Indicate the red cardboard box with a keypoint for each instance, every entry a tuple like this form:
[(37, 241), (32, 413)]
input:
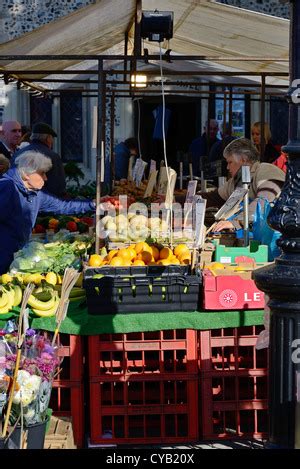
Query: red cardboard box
[(235, 291)]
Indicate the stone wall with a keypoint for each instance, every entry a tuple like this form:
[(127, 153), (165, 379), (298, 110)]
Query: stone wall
[(271, 7), (21, 16)]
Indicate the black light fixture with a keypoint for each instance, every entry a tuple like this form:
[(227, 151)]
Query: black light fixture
[(157, 25)]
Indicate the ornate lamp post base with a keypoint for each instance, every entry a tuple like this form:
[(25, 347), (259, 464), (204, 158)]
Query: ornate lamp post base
[(281, 281)]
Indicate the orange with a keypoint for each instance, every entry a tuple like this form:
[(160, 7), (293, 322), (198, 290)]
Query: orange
[(155, 252), (146, 256), (142, 246), (180, 249), (165, 253), (95, 260), (174, 260), (126, 262), (116, 261), (185, 258), (112, 254), (138, 262), (124, 254), (131, 252), (164, 262)]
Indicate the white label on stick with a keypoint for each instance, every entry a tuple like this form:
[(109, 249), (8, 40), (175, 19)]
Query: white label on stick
[(162, 181), (138, 171), (152, 166), (151, 184), (200, 205), (191, 191), (170, 190)]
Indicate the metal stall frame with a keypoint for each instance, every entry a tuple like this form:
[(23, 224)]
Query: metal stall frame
[(104, 87)]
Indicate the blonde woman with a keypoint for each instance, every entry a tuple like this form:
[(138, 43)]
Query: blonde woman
[(270, 152)]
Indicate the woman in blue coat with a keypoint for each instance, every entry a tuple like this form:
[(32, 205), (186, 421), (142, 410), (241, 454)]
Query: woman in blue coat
[(21, 199)]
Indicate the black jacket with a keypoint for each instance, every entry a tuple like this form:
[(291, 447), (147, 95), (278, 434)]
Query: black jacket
[(4, 151), (56, 181)]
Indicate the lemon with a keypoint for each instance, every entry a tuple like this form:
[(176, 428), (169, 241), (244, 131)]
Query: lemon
[(217, 265), (6, 278), (95, 260), (34, 278), (51, 278)]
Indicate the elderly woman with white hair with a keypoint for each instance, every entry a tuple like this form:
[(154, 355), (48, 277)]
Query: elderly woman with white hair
[(266, 181), (21, 199)]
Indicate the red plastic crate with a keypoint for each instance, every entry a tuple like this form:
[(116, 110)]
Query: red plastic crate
[(233, 384), (67, 396), (113, 356), (142, 411), (67, 399)]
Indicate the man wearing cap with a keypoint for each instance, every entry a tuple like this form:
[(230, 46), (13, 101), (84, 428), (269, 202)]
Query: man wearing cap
[(10, 138), (42, 141)]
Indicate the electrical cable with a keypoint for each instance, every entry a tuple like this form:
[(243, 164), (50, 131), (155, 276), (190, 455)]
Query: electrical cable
[(164, 143)]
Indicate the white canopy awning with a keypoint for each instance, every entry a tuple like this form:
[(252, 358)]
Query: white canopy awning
[(226, 36)]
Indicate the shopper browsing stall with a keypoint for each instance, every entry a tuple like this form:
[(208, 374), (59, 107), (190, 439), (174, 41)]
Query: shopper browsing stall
[(266, 180), (21, 199), (270, 154)]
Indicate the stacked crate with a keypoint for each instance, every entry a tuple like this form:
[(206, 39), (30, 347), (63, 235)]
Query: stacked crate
[(67, 397), (233, 384), (143, 387)]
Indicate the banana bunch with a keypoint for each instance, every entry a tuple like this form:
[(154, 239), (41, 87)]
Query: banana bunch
[(10, 296), (76, 294), (44, 303)]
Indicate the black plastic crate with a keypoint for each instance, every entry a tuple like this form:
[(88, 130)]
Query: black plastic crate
[(141, 289)]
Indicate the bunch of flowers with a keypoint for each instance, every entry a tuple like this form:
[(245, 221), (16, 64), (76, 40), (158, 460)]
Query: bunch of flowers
[(38, 365)]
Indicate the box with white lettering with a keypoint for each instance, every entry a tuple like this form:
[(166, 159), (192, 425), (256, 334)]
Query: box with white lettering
[(231, 288)]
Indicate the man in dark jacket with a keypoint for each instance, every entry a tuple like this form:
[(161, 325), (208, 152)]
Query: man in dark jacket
[(10, 138), (123, 152), (42, 141), (200, 147), (21, 199)]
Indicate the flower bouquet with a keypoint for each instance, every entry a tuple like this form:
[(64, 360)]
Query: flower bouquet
[(28, 364), (39, 362)]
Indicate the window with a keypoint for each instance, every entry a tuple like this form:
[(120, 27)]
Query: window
[(71, 126), (238, 113)]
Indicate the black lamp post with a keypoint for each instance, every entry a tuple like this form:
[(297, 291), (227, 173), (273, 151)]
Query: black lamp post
[(281, 281)]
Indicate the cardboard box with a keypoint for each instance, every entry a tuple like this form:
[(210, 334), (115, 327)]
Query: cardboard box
[(227, 290), (227, 255)]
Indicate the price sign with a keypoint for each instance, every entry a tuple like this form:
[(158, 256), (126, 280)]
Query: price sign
[(162, 181), (171, 187), (138, 171), (191, 191), (200, 206), (151, 184), (152, 166)]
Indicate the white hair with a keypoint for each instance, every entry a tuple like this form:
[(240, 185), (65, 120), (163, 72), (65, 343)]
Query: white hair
[(30, 162), (241, 148)]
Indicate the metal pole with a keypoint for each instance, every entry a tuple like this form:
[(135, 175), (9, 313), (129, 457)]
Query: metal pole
[(281, 281), (230, 108), (246, 180), (98, 151), (224, 111), (262, 117), (112, 138)]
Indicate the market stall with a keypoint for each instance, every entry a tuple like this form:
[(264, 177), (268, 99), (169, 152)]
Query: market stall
[(177, 373)]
